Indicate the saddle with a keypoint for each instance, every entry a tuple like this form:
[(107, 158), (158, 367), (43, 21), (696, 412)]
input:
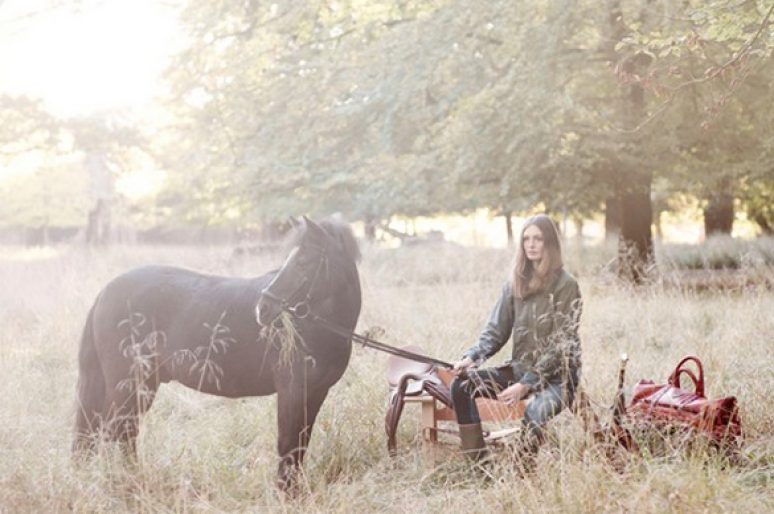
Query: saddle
[(669, 405), (410, 378), (414, 379)]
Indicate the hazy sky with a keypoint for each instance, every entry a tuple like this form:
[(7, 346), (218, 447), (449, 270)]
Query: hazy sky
[(107, 56)]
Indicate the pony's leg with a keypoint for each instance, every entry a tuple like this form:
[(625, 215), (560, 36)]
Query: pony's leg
[(125, 408), (89, 412), (90, 403), (297, 408), (88, 427)]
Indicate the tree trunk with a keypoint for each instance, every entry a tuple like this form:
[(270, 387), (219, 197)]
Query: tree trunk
[(509, 227), (99, 228), (635, 244), (719, 214), (578, 229), (370, 228), (612, 218)]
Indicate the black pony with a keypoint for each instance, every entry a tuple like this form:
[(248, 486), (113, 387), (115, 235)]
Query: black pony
[(215, 334)]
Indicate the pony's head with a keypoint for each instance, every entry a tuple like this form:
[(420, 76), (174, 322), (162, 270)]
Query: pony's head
[(322, 258)]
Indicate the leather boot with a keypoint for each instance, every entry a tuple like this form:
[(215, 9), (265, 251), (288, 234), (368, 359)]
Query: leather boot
[(472, 441)]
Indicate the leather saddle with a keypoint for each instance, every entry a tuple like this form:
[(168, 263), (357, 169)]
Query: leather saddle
[(410, 378), (414, 379)]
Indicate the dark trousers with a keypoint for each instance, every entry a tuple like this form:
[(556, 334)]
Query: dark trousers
[(487, 382)]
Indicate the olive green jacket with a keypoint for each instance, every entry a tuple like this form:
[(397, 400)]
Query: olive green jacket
[(546, 346)]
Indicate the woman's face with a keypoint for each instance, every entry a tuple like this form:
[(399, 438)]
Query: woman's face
[(533, 243)]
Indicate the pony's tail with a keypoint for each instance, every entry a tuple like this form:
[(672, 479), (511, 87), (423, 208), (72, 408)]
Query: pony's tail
[(91, 391)]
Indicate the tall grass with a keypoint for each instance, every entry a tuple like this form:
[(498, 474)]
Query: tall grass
[(205, 453)]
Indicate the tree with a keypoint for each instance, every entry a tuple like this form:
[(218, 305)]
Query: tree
[(58, 170), (416, 108), (314, 118), (25, 127), (711, 65), (35, 193)]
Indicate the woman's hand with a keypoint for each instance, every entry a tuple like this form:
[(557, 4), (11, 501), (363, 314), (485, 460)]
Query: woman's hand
[(462, 365), (514, 393)]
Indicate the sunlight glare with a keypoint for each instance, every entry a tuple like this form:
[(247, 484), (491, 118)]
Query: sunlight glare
[(109, 56), (140, 184)]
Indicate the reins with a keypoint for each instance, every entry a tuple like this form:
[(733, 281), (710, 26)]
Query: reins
[(366, 341)]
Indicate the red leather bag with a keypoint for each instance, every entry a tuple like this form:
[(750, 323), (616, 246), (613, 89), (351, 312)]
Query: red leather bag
[(668, 404)]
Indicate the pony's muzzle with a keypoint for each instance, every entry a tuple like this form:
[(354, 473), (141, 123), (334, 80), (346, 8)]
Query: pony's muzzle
[(266, 312)]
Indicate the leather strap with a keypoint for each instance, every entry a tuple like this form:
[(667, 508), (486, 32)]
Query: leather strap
[(698, 382)]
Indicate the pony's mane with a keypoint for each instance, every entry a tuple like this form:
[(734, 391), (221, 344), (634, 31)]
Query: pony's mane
[(337, 230), (342, 232)]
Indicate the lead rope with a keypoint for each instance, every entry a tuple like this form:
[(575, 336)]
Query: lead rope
[(302, 311), (365, 341), (368, 342)]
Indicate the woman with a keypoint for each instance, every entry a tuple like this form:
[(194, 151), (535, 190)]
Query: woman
[(540, 305)]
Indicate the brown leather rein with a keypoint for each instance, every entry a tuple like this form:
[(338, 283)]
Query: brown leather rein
[(302, 311)]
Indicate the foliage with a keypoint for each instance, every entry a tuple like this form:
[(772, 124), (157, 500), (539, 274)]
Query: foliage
[(45, 196), (35, 191), (56, 169), (711, 66), (25, 126), (379, 108), (758, 197)]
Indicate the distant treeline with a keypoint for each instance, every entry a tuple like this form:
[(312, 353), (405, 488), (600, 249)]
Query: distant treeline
[(52, 235)]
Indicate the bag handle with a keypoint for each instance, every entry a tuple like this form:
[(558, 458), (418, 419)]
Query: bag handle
[(698, 383)]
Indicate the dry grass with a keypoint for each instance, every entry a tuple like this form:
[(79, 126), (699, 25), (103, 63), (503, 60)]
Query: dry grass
[(203, 453)]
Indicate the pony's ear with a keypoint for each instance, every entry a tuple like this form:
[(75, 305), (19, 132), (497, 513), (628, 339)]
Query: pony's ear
[(313, 228), (294, 222)]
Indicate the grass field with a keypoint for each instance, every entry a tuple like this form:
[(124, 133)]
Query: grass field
[(201, 453)]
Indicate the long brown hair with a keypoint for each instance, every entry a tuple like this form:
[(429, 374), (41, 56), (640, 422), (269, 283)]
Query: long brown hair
[(527, 278)]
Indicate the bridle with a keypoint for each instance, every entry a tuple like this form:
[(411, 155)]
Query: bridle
[(301, 309)]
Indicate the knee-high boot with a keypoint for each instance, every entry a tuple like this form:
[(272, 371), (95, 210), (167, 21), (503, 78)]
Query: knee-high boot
[(472, 441)]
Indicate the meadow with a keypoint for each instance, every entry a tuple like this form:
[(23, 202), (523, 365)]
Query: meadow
[(201, 453)]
